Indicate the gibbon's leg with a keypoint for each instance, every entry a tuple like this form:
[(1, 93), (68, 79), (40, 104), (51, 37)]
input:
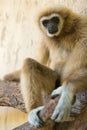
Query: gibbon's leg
[(14, 76), (35, 79)]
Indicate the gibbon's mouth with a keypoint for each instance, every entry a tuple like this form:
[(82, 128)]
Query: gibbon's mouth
[(52, 35)]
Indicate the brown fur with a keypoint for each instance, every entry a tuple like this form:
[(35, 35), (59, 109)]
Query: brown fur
[(66, 54)]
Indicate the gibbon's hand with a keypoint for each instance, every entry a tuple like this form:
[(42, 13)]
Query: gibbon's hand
[(62, 110), (33, 117)]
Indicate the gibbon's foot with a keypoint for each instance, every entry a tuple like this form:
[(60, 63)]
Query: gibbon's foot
[(9, 77), (33, 117), (14, 76), (62, 110)]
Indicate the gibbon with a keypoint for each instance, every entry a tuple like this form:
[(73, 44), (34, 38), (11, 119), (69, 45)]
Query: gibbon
[(64, 51)]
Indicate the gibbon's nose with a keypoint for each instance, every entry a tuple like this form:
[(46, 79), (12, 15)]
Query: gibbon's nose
[(52, 28)]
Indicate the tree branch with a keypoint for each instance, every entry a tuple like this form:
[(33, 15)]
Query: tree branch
[(10, 96)]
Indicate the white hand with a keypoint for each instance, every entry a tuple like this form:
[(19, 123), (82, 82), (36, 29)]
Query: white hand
[(62, 110), (33, 117)]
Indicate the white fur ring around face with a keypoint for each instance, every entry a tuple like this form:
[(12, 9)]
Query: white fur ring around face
[(62, 110), (33, 117)]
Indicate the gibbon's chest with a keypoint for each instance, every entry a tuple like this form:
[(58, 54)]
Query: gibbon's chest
[(58, 58)]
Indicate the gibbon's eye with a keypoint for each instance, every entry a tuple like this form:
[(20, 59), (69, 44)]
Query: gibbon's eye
[(55, 19), (45, 22)]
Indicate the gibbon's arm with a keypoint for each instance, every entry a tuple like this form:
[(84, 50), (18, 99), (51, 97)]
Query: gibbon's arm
[(76, 68), (74, 80), (42, 54)]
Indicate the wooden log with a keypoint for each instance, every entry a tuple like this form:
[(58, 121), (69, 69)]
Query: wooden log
[(10, 96)]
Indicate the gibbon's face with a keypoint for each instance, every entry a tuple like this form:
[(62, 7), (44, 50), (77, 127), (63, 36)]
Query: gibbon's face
[(52, 24)]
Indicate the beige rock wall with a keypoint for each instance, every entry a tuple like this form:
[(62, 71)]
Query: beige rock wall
[(18, 37)]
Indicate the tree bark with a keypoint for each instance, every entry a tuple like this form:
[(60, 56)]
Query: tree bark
[(10, 96)]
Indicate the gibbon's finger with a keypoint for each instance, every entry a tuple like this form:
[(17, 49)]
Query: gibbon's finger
[(56, 92), (59, 117), (63, 116), (55, 113)]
